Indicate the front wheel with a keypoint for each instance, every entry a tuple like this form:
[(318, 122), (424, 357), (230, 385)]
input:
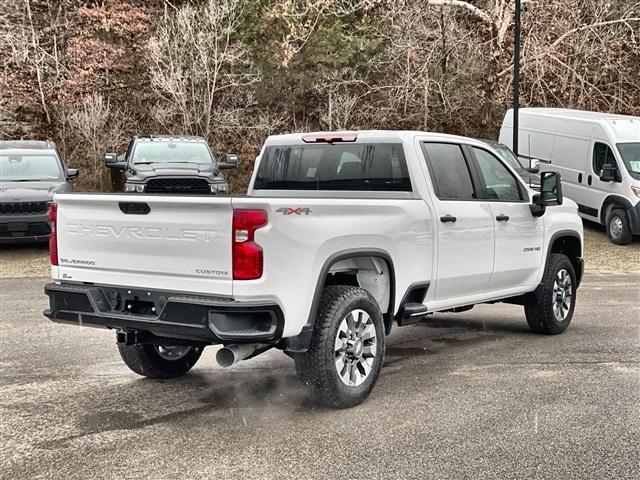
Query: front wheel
[(552, 313), (618, 228), (159, 361), (344, 359)]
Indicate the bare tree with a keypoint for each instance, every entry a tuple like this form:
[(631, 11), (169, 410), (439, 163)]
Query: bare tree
[(7, 118), (197, 66), (93, 127)]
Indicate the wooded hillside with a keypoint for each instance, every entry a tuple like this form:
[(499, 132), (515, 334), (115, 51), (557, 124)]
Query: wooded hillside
[(90, 74)]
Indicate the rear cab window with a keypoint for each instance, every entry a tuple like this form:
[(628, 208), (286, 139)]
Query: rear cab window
[(334, 166)]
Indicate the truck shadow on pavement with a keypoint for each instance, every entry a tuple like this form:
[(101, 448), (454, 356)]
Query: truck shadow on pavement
[(437, 335), (220, 394)]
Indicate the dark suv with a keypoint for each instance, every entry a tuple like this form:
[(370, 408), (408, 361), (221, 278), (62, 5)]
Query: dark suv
[(31, 172), (171, 165)]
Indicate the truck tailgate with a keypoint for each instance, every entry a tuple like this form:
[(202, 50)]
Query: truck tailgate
[(156, 242)]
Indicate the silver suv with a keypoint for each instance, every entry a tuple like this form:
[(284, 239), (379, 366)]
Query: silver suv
[(31, 172)]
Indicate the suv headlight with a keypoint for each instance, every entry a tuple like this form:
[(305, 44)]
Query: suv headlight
[(133, 187), (636, 191), (219, 187)]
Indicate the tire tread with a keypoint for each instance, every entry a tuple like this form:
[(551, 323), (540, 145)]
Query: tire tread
[(144, 360), (539, 314), (310, 365)]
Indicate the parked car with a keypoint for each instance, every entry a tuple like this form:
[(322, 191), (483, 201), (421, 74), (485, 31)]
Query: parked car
[(171, 165), (531, 175), (31, 172), (598, 155), (341, 235)]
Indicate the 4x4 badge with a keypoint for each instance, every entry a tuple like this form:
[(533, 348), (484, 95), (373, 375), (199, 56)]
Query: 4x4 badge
[(293, 211)]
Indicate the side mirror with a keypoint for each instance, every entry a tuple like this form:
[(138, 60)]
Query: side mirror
[(111, 161), (608, 173), (230, 162), (550, 193), (72, 173)]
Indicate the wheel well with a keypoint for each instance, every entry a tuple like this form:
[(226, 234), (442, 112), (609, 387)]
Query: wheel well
[(371, 272), (609, 204), (571, 247), (368, 272)]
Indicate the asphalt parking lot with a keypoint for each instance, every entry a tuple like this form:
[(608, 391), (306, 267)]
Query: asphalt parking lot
[(472, 395)]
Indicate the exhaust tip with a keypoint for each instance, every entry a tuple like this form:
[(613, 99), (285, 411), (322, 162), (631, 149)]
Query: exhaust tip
[(225, 357)]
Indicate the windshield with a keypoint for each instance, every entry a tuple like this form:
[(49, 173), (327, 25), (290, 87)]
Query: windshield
[(171, 152), (508, 156), (630, 153), (25, 168)]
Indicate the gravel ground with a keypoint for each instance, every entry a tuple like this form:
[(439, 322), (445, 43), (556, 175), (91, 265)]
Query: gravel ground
[(601, 256)]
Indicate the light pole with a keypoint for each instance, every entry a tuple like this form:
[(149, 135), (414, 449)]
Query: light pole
[(516, 78)]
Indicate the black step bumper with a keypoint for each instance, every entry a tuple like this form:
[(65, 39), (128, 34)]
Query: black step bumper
[(188, 317)]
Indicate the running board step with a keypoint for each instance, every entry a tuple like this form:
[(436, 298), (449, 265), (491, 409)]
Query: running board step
[(412, 313)]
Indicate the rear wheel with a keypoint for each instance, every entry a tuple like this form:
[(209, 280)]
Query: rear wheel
[(618, 228), (344, 359), (159, 361), (552, 313)]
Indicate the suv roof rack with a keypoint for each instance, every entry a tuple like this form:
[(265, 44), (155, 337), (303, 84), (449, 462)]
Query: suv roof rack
[(169, 137), (27, 144)]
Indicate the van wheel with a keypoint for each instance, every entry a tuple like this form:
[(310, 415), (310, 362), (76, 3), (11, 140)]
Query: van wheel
[(159, 361), (618, 228), (552, 313), (344, 359)]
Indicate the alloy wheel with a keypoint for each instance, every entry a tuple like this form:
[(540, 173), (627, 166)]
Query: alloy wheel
[(355, 347), (562, 295)]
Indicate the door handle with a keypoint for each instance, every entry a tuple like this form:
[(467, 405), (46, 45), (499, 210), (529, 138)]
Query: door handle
[(502, 218), (448, 218)]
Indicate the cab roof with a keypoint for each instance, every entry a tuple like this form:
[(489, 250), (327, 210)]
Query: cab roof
[(362, 136)]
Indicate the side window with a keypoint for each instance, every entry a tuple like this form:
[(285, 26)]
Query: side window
[(499, 181), (602, 154), (449, 171)]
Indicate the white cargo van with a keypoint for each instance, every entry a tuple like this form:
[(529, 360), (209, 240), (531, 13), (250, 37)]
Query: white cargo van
[(598, 156)]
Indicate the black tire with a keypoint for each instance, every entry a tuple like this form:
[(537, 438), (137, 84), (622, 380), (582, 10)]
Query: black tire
[(317, 367), (618, 228), (145, 360), (540, 314)]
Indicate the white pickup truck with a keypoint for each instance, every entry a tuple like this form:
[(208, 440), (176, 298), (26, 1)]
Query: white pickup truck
[(340, 236)]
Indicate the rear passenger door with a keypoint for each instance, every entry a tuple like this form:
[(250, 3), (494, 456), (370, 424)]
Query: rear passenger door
[(518, 234), (465, 227)]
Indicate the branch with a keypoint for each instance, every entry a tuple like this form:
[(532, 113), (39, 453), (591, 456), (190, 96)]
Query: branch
[(475, 11), (562, 37)]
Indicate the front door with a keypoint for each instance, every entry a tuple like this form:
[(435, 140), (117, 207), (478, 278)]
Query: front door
[(465, 231), (598, 190), (518, 234)]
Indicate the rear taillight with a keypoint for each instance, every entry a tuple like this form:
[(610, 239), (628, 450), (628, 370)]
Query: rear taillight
[(247, 254), (53, 239)]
